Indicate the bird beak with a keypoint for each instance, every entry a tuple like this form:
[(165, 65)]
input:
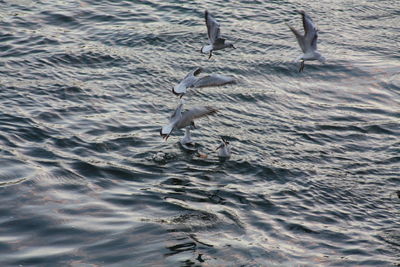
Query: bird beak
[(219, 146)]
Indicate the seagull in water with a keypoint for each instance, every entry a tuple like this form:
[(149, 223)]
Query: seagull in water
[(224, 149), (179, 120), (214, 36), (191, 80), (308, 41)]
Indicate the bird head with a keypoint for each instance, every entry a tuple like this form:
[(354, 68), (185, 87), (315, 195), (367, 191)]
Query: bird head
[(223, 143)]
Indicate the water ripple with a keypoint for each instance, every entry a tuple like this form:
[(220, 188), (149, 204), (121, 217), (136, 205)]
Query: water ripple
[(85, 178)]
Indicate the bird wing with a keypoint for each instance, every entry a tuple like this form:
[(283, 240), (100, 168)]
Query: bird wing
[(213, 80), (194, 72), (212, 27), (177, 113), (310, 31), (314, 41), (194, 113), (300, 38), (188, 81), (173, 120)]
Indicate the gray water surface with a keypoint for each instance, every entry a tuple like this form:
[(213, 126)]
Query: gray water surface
[(86, 180)]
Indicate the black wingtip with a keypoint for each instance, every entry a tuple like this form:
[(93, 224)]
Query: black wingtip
[(198, 71), (212, 110), (302, 12)]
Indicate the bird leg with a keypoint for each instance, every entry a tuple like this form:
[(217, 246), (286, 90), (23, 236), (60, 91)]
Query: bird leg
[(210, 54), (301, 66)]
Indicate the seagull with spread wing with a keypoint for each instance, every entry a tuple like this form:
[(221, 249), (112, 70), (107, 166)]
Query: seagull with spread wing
[(308, 41), (214, 36), (192, 80)]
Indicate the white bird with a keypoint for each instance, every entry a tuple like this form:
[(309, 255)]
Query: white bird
[(224, 149), (214, 36), (308, 41), (179, 120), (191, 80)]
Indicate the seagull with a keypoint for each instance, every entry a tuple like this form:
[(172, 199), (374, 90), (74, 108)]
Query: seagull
[(191, 80), (308, 41), (224, 149), (179, 120), (214, 38)]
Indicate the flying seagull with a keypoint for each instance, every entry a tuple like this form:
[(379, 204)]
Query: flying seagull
[(179, 120), (214, 36), (308, 41), (224, 149), (191, 80)]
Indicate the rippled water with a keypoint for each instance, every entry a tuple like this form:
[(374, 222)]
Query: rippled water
[(86, 180)]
